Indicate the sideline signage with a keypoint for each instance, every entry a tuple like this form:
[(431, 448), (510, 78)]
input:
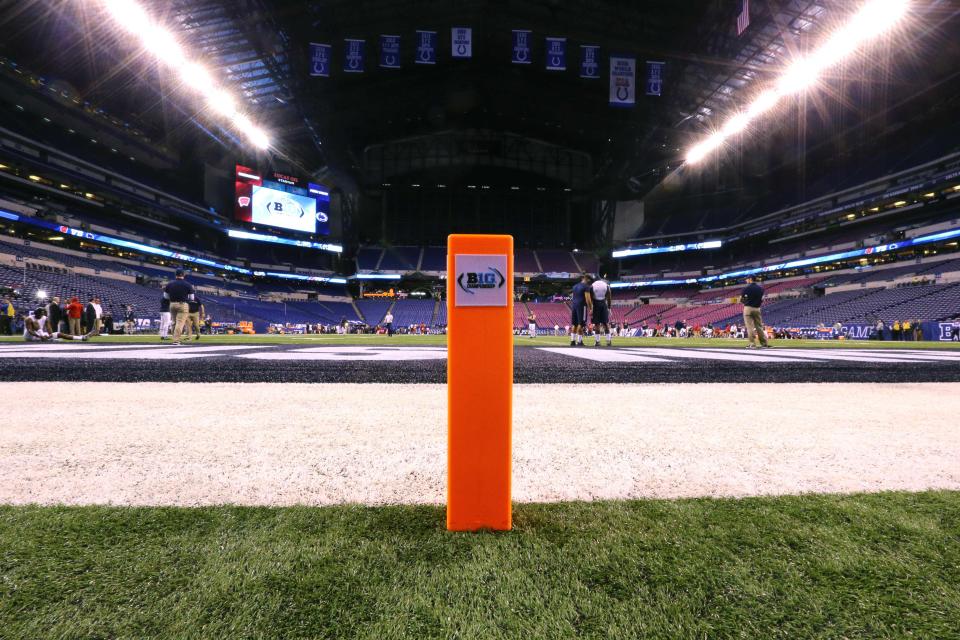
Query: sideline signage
[(479, 381)]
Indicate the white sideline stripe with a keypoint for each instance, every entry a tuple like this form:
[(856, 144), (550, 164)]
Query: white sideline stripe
[(286, 444), (595, 354), (72, 346), (944, 352), (703, 354), (940, 355), (932, 357), (170, 353), (815, 354), (353, 354)]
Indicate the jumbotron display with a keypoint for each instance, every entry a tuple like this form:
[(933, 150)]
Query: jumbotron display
[(281, 201)]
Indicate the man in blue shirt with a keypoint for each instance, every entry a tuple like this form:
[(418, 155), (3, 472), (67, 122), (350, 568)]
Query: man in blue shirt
[(752, 298), (581, 304), (180, 293)]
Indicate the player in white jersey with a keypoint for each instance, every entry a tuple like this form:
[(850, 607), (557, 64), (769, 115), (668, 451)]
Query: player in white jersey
[(602, 301), (34, 329)]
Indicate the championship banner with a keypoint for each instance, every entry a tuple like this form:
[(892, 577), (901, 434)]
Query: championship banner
[(623, 81), (320, 60), (556, 54), (426, 47), (589, 61), (461, 42), (521, 47), (353, 58), (654, 77), (390, 52)]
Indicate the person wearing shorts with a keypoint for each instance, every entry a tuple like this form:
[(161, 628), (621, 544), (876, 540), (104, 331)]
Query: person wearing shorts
[(600, 315), (580, 304)]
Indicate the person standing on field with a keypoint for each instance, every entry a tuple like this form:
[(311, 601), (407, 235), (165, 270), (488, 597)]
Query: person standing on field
[(388, 323), (193, 319), (180, 293), (74, 313), (602, 297), (165, 320), (752, 298)]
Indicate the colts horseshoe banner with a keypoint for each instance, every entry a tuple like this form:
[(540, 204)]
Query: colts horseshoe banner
[(426, 47), (319, 60), (461, 42), (390, 52), (623, 81), (521, 47), (556, 54), (353, 55)]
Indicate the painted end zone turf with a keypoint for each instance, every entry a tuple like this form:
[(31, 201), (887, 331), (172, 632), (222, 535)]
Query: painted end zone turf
[(269, 444)]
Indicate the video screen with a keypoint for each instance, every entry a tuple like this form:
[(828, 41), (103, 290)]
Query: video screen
[(278, 208), (282, 201)]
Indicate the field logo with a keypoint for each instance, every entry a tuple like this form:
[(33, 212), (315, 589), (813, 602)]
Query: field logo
[(480, 280)]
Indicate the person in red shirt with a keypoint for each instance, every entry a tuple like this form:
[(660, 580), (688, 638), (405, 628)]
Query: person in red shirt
[(74, 312)]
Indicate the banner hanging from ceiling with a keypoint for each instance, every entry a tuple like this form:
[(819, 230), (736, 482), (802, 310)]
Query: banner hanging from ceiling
[(320, 60), (461, 42), (426, 47), (556, 54), (623, 81), (521, 46), (654, 77), (390, 52), (589, 61), (353, 55)]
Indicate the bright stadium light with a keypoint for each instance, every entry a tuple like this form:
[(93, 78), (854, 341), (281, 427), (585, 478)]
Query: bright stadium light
[(223, 103), (873, 19), (196, 77), (163, 44), (258, 138), (764, 102), (129, 15)]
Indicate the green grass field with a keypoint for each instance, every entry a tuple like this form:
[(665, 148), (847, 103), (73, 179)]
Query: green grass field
[(860, 566), (520, 341)]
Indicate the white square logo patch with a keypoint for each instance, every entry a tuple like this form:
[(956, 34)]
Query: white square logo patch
[(480, 280)]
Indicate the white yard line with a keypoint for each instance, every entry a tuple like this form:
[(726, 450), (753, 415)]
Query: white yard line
[(602, 354), (273, 444), (169, 352)]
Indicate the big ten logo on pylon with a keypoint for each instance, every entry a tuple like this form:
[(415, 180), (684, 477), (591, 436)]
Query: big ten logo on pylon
[(480, 280)]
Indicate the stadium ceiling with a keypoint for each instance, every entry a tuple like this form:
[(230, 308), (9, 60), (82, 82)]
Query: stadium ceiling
[(260, 50), (707, 66)]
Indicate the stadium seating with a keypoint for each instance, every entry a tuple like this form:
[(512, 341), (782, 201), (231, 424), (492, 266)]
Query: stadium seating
[(524, 261), (410, 311), (588, 263), (548, 314), (647, 313), (373, 310), (400, 259), (520, 316), (557, 261), (434, 259), (441, 317), (368, 258)]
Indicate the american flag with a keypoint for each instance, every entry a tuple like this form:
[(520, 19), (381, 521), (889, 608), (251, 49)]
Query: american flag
[(743, 20)]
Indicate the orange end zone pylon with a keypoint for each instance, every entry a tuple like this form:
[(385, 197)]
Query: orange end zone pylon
[(479, 381)]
